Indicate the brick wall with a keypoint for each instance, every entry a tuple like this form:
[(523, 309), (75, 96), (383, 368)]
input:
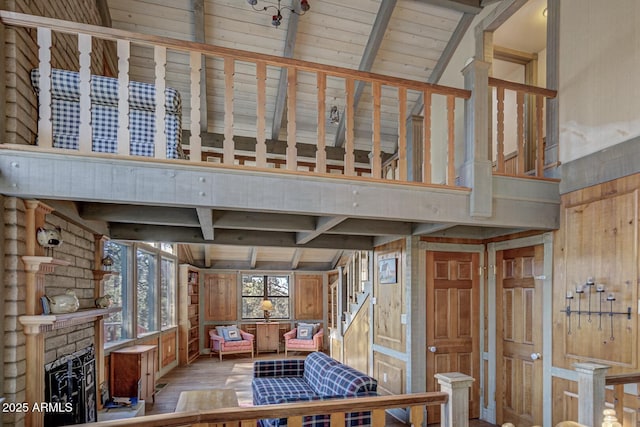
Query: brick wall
[(21, 52), (77, 248)]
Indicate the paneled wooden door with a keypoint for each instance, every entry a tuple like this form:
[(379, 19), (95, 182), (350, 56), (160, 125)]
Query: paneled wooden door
[(519, 343), (452, 304)]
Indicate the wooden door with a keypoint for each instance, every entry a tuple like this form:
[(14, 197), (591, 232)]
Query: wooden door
[(453, 322), (220, 297), (519, 327)]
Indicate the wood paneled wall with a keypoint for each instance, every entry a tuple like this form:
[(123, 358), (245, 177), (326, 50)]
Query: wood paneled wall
[(388, 330), (308, 297), (357, 342), (220, 296), (599, 238), (390, 373), (168, 348)]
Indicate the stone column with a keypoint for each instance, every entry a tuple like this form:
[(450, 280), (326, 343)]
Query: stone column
[(455, 413), (591, 384)]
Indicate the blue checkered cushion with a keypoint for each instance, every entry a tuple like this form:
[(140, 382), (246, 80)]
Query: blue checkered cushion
[(316, 367), (343, 380), (278, 368), (65, 92)]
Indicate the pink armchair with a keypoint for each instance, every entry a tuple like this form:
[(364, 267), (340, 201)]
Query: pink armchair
[(221, 346), (291, 343)]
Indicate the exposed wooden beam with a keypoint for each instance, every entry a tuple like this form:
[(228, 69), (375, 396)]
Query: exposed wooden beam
[(205, 218), (466, 6), (512, 55), (199, 30), (208, 255), (263, 221), (295, 259), (269, 265), (336, 259), (70, 211), (422, 229), (253, 257), (103, 10), (368, 57), (139, 232), (371, 227), (137, 214), (323, 224), (500, 14), (185, 254), (281, 95), (445, 58)]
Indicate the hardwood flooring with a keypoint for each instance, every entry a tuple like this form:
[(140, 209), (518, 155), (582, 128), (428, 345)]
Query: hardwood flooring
[(235, 372)]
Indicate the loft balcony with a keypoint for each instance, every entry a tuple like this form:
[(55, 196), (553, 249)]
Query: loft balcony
[(414, 158)]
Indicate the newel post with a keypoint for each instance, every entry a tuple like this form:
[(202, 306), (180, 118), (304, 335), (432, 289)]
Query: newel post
[(476, 170), (455, 413), (591, 389)]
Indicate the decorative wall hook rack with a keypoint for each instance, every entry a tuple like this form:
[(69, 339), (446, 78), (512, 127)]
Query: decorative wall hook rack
[(588, 288)]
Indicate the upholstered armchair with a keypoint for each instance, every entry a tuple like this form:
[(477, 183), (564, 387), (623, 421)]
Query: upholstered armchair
[(294, 342), (233, 341)]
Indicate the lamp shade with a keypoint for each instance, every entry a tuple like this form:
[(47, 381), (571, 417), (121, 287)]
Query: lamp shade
[(266, 305)]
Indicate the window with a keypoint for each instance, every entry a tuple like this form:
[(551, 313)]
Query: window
[(117, 325), (147, 293), (167, 292), (255, 288)]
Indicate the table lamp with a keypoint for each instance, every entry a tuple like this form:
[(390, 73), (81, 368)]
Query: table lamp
[(266, 306)]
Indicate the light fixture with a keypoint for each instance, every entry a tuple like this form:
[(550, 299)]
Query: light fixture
[(266, 306), (334, 115), (277, 18)]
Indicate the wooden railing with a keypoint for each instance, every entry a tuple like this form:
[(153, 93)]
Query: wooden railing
[(87, 34), (528, 157)]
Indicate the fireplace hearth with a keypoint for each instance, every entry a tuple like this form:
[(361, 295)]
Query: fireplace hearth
[(70, 386)]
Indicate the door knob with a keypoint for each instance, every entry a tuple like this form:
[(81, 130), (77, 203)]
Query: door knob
[(536, 356), (433, 349)]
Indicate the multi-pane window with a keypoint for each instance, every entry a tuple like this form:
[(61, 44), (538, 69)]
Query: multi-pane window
[(146, 296), (117, 325), (167, 293), (256, 288)]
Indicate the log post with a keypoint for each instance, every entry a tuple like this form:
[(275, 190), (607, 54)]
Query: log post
[(591, 389)]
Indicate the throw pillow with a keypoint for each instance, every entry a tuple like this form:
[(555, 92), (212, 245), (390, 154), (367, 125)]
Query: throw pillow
[(315, 326), (305, 332), (229, 333)]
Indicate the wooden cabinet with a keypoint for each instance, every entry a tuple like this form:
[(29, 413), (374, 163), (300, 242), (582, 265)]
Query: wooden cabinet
[(133, 372), (267, 337), (220, 297), (189, 314), (308, 301)]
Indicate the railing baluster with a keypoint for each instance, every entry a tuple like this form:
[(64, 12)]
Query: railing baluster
[(321, 153), (261, 108), (124, 49), (160, 57), (228, 144), (45, 127), (337, 419), (378, 417), (402, 133), (500, 129), (426, 133), (540, 142), (292, 152), (295, 421), (520, 130), (376, 159), (349, 155), (451, 167), (84, 130), (416, 415), (195, 142)]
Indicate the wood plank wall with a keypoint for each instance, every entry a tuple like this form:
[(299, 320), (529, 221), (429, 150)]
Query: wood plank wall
[(598, 237)]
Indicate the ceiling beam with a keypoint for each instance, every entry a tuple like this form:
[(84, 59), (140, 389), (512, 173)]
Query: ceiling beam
[(445, 58), (368, 57), (263, 221), (199, 29), (70, 211), (208, 255), (138, 214), (157, 233), (421, 229), (269, 265), (295, 260), (253, 257), (324, 223), (466, 6), (336, 259), (371, 227), (205, 218), (281, 95)]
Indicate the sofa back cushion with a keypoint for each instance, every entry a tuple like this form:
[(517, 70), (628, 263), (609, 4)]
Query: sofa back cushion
[(343, 380), (316, 366)]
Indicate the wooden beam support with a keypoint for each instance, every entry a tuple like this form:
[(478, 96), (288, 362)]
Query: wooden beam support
[(336, 259), (371, 227), (466, 6), (136, 214), (281, 95), (253, 257), (263, 221), (205, 217), (208, 255), (428, 228), (324, 224), (295, 259)]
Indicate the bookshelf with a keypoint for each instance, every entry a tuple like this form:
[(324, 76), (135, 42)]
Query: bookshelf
[(189, 314)]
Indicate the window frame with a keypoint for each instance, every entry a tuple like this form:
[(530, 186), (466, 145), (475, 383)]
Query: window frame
[(265, 293)]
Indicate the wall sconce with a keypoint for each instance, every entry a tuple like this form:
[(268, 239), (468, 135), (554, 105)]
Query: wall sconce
[(266, 306), (587, 288), (334, 115)]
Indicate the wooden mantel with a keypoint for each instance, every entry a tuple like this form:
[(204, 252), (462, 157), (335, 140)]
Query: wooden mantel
[(52, 322)]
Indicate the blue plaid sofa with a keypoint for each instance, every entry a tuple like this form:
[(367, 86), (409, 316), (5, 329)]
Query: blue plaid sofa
[(318, 377), (65, 94)]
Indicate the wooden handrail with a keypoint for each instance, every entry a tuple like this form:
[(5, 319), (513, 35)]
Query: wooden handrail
[(616, 379), (534, 90), (376, 404)]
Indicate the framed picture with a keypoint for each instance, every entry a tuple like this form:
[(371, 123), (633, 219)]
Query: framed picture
[(387, 270)]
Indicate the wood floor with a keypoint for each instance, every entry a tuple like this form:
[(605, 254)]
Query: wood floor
[(235, 372)]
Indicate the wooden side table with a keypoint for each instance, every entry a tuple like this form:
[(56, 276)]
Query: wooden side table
[(267, 337)]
